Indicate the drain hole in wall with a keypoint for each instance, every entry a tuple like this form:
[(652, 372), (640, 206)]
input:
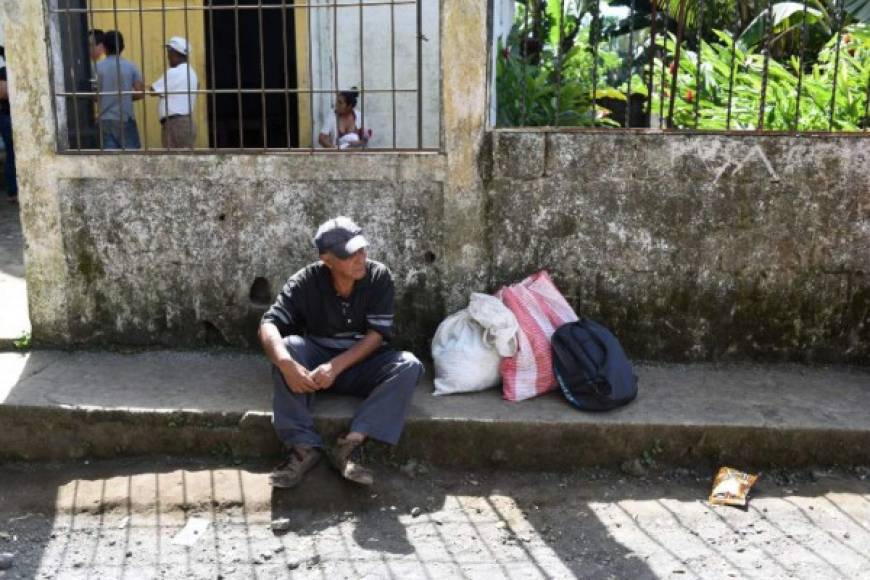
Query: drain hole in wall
[(213, 336), (222, 217), (261, 294), (430, 257)]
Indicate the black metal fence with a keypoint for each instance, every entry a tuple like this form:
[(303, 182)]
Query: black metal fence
[(261, 75), (686, 65)]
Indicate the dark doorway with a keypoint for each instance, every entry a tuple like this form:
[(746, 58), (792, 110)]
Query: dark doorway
[(78, 75), (252, 49)]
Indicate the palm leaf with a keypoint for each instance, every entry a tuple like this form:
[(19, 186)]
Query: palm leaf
[(858, 9), (786, 15)]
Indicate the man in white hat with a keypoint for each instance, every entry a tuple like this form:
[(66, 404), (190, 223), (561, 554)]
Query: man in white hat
[(176, 89)]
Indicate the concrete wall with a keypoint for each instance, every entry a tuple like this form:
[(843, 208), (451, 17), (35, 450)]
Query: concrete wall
[(694, 247), (689, 247), (165, 249)]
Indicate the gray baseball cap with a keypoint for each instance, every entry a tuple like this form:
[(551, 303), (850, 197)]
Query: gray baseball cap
[(339, 236)]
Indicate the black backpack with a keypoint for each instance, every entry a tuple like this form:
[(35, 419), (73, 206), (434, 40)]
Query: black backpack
[(591, 367)]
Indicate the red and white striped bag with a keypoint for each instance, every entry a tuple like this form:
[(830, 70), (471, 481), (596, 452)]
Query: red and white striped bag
[(540, 309)]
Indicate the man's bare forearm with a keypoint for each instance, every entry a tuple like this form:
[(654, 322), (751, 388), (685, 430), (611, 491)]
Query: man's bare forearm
[(358, 352), (273, 344)]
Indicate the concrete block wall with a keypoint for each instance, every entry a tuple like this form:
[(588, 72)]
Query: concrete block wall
[(182, 250), (691, 247), (694, 247)]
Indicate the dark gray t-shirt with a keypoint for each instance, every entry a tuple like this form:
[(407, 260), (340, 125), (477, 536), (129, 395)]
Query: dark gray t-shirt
[(309, 305), (111, 107)]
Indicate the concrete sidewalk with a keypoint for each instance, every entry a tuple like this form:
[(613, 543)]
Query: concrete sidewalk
[(56, 404)]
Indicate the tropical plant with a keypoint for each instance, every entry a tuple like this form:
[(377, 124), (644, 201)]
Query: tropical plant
[(549, 88), (705, 91)]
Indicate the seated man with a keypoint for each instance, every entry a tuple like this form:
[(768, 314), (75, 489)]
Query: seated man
[(329, 331)]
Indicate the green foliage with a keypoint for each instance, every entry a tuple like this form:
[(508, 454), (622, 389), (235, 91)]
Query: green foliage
[(787, 16), (23, 342), (545, 77), (532, 94), (858, 9), (711, 83)]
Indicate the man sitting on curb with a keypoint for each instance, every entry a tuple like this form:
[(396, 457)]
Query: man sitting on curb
[(329, 330)]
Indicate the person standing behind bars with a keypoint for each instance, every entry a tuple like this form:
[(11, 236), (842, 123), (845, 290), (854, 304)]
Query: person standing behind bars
[(175, 87), (115, 77)]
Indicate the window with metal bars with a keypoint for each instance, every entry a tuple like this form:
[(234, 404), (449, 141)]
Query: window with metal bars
[(683, 65), (245, 75)]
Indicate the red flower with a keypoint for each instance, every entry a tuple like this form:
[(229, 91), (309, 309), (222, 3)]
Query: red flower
[(690, 95)]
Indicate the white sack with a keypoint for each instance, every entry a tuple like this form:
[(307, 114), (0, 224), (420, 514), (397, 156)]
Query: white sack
[(468, 346)]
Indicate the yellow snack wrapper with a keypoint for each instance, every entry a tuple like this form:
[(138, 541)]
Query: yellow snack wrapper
[(730, 487)]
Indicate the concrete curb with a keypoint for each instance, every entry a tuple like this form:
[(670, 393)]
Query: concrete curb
[(43, 433)]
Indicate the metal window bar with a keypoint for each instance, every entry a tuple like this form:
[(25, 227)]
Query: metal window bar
[(867, 106), (665, 35), (557, 113), (142, 71), (238, 57), (524, 52), (681, 21), (335, 84), (191, 103), (393, 65), (231, 7), (243, 91), (800, 71), (65, 12), (631, 13), (264, 129), (596, 25), (362, 75), (731, 80), (768, 26), (99, 134), (420, 39), (120, 105), (285, 61), (75, 86), (164, 114), (700, 39), (651, 56), (839, 9), (212, 69), (313, 130)]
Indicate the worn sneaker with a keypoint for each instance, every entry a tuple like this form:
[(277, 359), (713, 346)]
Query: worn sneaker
[(347, 458), (298, 462)]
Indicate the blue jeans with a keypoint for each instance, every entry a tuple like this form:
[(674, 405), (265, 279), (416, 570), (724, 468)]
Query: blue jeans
[(9, 169), (386, 380), (112, 134)]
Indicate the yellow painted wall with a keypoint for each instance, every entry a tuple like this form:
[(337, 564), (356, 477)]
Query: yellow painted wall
[(303, 77), (145, 46)]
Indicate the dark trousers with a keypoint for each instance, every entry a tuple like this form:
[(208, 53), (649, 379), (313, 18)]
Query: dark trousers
[(9, 169), (385, 380), (120, 134)]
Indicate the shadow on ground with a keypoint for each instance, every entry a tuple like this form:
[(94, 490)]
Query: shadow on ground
[(69, 518)]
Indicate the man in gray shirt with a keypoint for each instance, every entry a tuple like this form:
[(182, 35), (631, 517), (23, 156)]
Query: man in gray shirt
[(119, 84)]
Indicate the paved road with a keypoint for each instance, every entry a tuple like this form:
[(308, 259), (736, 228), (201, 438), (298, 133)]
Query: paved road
[(14, 320), (118, 519)]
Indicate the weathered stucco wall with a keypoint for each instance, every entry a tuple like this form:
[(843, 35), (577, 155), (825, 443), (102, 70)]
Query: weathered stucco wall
[(689, 247), (694, 247), (182, 261), (180, 250)]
